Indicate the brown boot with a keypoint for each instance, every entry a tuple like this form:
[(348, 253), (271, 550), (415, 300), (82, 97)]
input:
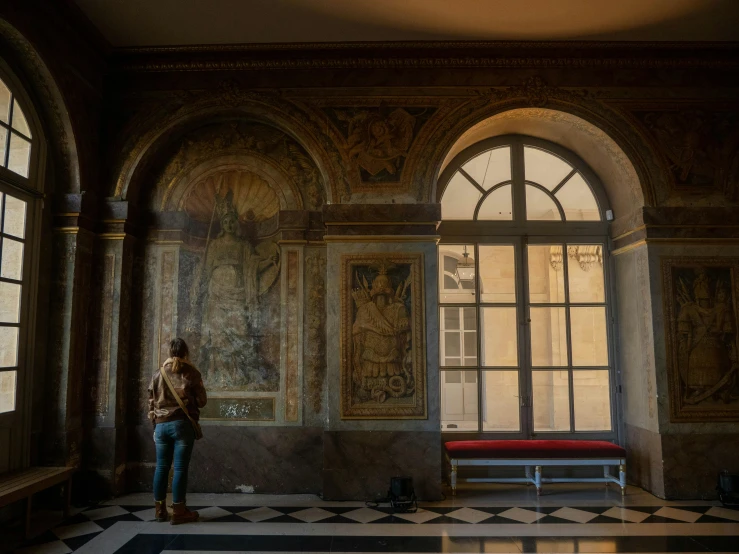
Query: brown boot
[(180, 514), (160, 511)]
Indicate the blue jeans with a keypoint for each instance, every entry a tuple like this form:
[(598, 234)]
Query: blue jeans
[(174, 439)]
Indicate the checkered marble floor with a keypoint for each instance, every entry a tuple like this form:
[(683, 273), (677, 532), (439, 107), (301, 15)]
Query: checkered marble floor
[(103, 528)]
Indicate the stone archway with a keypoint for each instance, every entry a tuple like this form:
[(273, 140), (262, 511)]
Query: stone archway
[(592, 144)]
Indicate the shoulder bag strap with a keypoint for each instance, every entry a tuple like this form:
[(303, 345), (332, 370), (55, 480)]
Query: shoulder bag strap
[(174, 393)]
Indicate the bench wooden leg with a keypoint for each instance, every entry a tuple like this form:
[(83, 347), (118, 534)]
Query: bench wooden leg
[(29, 504), (537, 479), (68, 497), (453, 478), (606, 473), (622, 477)]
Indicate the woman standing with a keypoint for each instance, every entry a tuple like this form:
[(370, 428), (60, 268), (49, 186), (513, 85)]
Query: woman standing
[(174, 428)]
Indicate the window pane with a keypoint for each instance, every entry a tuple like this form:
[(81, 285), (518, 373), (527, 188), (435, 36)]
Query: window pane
[(20, 153), (450, 319), (498, 273), (589, 342), (451, 345), (498, 206), (592, 399), (460, 198), (544, 168), (12, 259), (500, 337), (546, 274), (8, 346), (459, 401), (20, 123), (10, 301), (539, 206), (457, 278), (551, 401), (490, 168), (501, 394), (15, 217), (548, 337), (459, 336), (4, 102), (578, 201), (7, 391), (585, 272)]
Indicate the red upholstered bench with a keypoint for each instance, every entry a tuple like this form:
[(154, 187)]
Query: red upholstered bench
[(538, 453)]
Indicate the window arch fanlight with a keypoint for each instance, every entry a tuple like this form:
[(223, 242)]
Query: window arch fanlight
[(515, 178), (525, 341), (16, 138)]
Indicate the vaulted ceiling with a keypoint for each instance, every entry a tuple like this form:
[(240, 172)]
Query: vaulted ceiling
[(135, 23)]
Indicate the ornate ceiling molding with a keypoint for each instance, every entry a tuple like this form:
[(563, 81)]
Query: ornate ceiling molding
[(429, 55)]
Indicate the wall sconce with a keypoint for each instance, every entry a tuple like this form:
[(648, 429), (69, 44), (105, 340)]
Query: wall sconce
[(466, 268)]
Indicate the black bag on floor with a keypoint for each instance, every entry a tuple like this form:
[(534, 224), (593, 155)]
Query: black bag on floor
[(728, 488), (401, 494)]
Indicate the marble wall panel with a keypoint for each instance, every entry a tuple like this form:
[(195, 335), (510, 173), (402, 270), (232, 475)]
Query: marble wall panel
[(692, 463), (634, 340), (275, 460), (644, 459), (358, 465)]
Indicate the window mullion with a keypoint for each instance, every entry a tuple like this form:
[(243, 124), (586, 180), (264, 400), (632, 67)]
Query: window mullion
[(9, 131), (570, 381), (525, 378), (478, 297), (517, 179)]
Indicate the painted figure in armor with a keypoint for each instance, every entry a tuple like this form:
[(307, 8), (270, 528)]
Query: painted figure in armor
[(382, 363), (706, 339), (229, 281)]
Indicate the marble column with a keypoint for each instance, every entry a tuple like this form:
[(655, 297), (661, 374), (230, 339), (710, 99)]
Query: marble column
[(69, 286), (105, 399)]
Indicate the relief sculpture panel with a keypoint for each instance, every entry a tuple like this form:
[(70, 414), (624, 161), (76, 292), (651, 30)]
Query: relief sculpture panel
[(701, 308), (230, 281), (229, 298), (383, 373), (379, 139)]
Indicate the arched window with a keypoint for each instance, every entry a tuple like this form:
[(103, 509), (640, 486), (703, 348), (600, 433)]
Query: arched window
[(524, 311), (15, 134), (20, 204)]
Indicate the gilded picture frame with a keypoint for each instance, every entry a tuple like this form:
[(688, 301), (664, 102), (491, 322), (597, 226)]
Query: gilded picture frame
[(701, 304), (383, 359)]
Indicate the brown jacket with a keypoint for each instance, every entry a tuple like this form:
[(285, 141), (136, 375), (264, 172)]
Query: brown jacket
[(188, 383)]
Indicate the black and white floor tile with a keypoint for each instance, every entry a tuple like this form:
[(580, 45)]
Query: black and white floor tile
[(229, 524)]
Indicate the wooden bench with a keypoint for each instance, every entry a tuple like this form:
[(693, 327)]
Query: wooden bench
[(24, 484), (537, 453)]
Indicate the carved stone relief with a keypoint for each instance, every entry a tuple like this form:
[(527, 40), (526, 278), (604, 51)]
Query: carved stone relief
[(378, 139), (226, 314), (267, 146), (383, 366), (699, 148), (701, 304)]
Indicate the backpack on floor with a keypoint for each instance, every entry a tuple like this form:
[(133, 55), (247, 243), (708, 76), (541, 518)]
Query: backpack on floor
[(728, 488)]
